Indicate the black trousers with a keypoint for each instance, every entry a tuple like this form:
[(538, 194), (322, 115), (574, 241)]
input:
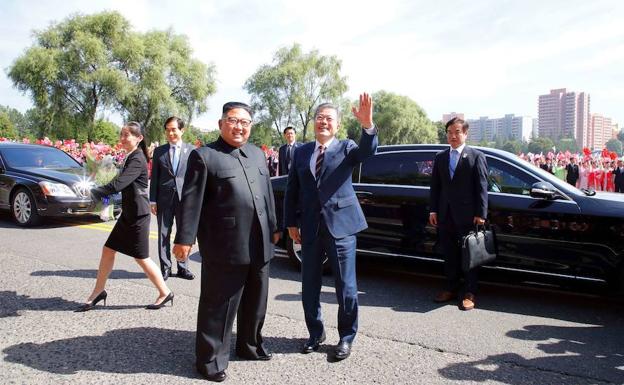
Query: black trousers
[(228, 292), (165, 218), (450, 237)]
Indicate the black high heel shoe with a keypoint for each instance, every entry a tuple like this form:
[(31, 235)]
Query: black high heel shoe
[(156, 306), (90, 305)]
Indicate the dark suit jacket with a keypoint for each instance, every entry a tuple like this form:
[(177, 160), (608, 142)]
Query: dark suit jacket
[(466, 194), (334, 199), (283, 166), (572, 173), (220, 199), (618, 179), (165, 182), (132, 182)]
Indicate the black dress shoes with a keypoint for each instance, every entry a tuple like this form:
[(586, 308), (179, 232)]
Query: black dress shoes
[(217, 377), (166, 273), (313, 344), (185, 274), (342, 350)]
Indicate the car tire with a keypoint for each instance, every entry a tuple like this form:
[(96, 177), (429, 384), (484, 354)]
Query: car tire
[(294, 253), (24, 208)]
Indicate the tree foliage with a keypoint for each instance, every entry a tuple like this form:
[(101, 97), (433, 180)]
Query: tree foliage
[(7, 128), (614, 145), (106, 132), (567, 144), (89, 64), (399, 119), (287, 91), (540, 145), (164, 81), (513, 146)]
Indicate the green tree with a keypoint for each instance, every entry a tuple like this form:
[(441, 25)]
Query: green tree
[(7, 128), (164, 81), (615, 146), (400, 120), (567, 144), (441, 131), (540, 145), (105, 131), (85, 65), (19, 120), (512, 146), (75, 69), (288, 90), (620, 135)]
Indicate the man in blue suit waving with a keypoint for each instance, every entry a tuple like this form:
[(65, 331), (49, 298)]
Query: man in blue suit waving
[(323, 214)]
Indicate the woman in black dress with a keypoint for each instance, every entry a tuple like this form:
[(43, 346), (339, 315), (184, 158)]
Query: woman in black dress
[(130, 235)]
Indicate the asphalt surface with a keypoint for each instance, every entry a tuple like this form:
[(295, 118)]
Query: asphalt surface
[(516, 335)]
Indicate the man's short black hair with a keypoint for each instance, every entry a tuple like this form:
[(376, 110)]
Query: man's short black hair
[(232, 105), (457, 120), (289, 128), (176, 119)]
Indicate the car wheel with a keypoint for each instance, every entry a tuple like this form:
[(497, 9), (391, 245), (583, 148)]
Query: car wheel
[(24, 208), (294, 253)]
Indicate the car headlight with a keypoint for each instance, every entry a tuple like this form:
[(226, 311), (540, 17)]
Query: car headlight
[(56, 189)]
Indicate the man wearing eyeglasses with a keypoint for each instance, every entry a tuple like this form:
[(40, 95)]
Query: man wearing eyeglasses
[(228, 205), (323, 214)]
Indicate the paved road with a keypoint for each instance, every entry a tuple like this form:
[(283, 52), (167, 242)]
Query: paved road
[(517, 335)]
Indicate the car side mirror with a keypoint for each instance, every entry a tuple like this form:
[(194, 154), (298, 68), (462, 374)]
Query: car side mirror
[(544, 190)]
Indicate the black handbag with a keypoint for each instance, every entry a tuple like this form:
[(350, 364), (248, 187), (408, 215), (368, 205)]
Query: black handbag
[(478, 248)]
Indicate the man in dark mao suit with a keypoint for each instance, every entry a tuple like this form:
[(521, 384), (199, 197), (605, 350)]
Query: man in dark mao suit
[(459, 200), (168, 168), (227, 204), (321, 211), (286, 151)]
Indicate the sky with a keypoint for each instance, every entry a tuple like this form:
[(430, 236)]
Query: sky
[(478, 57)]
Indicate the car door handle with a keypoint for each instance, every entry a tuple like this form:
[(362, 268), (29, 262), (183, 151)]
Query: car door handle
[(364, 193)]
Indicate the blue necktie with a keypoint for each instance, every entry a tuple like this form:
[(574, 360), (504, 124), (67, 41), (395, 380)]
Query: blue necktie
[(175, 160), (453, 162)]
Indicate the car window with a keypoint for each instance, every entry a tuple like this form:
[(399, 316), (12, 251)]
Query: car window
[(402, 168), (505, 178), (39, 158)]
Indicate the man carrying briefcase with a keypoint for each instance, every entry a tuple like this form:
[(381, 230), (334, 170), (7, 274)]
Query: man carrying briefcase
[(459, 201)]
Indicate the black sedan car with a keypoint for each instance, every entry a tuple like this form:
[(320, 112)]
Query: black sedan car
[(542, 224), (38, 181)]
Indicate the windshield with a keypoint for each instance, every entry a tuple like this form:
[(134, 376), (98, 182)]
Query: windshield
[(39, 158)]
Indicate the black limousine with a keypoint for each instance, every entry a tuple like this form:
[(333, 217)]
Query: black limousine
[(543, 225), (38, 181)]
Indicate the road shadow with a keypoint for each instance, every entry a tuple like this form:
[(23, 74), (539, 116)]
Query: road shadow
[(6, 222), (407, 286), (11, 304), (575, 354), (124, 351), (88, 273), (127, 351)]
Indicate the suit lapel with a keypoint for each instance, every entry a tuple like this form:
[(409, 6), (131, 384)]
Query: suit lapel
[(306, 154), (167, 158), (444, 166)]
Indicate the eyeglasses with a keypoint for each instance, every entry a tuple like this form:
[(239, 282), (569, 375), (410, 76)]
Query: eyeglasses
[(245, 123), (320, 118)]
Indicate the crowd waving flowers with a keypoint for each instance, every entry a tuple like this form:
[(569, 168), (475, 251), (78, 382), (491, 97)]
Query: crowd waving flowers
[(595, 168)]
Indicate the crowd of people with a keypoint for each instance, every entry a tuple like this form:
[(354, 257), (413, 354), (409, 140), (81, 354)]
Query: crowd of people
[(599, 171)]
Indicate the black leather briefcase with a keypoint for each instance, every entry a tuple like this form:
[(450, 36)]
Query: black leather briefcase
[(478, 248)]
